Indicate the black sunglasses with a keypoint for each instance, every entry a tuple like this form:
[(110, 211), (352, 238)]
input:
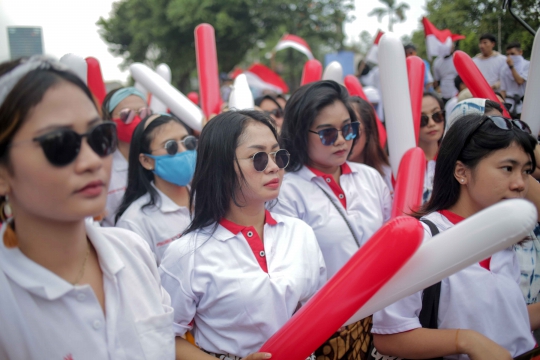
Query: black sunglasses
[(276, 113), (61, 147), (189, 143), (260, 159), (329, 136), (438, 117)]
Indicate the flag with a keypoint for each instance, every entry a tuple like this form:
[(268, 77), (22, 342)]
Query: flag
[(438, 42), (371, 56), (295, 42), (262, 78)]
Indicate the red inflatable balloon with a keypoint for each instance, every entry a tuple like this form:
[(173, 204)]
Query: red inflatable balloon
[(312, 72), (409, 186), (355, 89), (207, 67), (194, 97), (415, 72), (473, 78), (95, 79), (348, 290)]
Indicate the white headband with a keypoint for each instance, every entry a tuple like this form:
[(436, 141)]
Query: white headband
[(10, 79)]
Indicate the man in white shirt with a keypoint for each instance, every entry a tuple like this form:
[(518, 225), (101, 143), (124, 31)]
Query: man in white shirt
[(490, 62), (514, 78), (444, 73)]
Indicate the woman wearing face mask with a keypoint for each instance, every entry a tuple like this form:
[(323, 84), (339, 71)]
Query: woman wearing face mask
[(431, 132), (482, 315), (367, 149), (345, 203), (161, 164), (239, 272), (126, 107), (69, 290)]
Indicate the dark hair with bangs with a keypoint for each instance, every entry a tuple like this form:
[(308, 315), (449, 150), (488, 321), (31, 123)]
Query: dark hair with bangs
[(216, 182), (302, 108), (462, 142)]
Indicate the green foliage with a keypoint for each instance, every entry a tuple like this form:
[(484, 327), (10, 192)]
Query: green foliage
[(156, 31), (394, 11)]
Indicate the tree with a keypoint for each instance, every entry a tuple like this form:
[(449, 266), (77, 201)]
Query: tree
[(394, 11), (155, 31)]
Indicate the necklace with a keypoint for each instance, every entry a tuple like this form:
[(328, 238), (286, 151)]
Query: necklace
[(81, 272)]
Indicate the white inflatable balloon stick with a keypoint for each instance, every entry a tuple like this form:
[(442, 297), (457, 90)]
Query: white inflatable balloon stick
[(472, 240), (156, 104), (333, 71), (397, 99), (530, 112), (141, 88), (177, 102), (241, 97), (77, 64)]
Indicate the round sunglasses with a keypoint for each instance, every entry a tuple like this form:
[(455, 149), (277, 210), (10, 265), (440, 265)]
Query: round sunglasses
[(437, 116), (62, 146), (329, 136), (172, 146), (127, 115), (260, 159)]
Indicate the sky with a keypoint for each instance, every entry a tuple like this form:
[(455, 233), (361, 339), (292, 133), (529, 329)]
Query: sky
[(69, 26)]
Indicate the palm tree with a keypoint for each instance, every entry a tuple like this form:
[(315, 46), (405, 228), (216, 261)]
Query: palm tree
[(395, 12)]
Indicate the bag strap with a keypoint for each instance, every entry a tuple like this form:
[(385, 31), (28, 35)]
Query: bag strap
[(342, 215)]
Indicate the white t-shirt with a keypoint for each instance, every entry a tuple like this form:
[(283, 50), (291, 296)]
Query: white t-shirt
[(159, 225), (445, 72), (490, 67), (117, 187), (368, 207), (509, 84), (236, 292), (45, 317), (487, 301)]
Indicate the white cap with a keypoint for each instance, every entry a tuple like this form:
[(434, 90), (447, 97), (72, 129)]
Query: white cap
[(466, 107)]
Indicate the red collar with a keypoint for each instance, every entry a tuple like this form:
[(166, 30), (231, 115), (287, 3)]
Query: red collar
[(452, 217), (345, 169), (235, 228)]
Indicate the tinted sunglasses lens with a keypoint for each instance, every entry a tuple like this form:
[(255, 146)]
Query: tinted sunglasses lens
[(126, 116), (102, 139), (145, 112), (424, 119), (260, 160), (350, 131), (190, 142), (282, 158), (277, 113), (171, 147), (522, 126), (438, 117), (61, 147), (501, 122), (328, 136)]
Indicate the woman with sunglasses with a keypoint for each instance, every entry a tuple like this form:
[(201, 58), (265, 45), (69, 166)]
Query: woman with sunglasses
[(70, 290), (161, 164), (239, 272), (126, 107), (345, 203), (271, 107), (367, 149), (482, 313)]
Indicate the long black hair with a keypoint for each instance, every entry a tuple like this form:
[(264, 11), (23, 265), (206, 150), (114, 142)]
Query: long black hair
[(302, 108), (216, 182), (107, 115), (139, 178), (462, 142)]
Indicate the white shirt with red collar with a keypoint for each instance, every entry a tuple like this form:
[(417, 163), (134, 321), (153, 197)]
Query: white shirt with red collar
[(363, 198), (43, 316), (117, 187), (233, 290), (484, 297)]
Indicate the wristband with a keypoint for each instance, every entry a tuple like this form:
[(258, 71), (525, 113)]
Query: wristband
[(511, 66)]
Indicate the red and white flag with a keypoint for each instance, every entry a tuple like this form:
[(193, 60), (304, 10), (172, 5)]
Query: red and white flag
[(295, 42), (438, 42), (373, 52), (262, 78)]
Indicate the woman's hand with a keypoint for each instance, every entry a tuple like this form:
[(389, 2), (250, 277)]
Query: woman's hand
[(258, 356), (479, 347)]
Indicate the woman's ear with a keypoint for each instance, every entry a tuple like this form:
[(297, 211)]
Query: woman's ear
[(461, 173), (147, 162)]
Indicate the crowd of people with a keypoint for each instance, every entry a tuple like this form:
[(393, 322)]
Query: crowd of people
[(127, 235)]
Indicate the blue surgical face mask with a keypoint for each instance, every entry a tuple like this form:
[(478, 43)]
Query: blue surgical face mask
[(177, 169)]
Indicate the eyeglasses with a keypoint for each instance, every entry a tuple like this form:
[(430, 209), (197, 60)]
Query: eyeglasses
[(278, 113), (127, 115), (171, 146), (260, 159), (329, 136), (61, 147), (502, 123), (438, 117)]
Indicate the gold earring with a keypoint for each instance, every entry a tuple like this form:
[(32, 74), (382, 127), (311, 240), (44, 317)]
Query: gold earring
[(6, 215)]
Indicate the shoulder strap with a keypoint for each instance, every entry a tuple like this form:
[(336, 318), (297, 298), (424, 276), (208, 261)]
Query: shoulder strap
[(431, 295)]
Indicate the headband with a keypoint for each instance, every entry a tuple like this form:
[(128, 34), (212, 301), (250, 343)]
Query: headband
[(36, 62), (466, 107), (121, 95)]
